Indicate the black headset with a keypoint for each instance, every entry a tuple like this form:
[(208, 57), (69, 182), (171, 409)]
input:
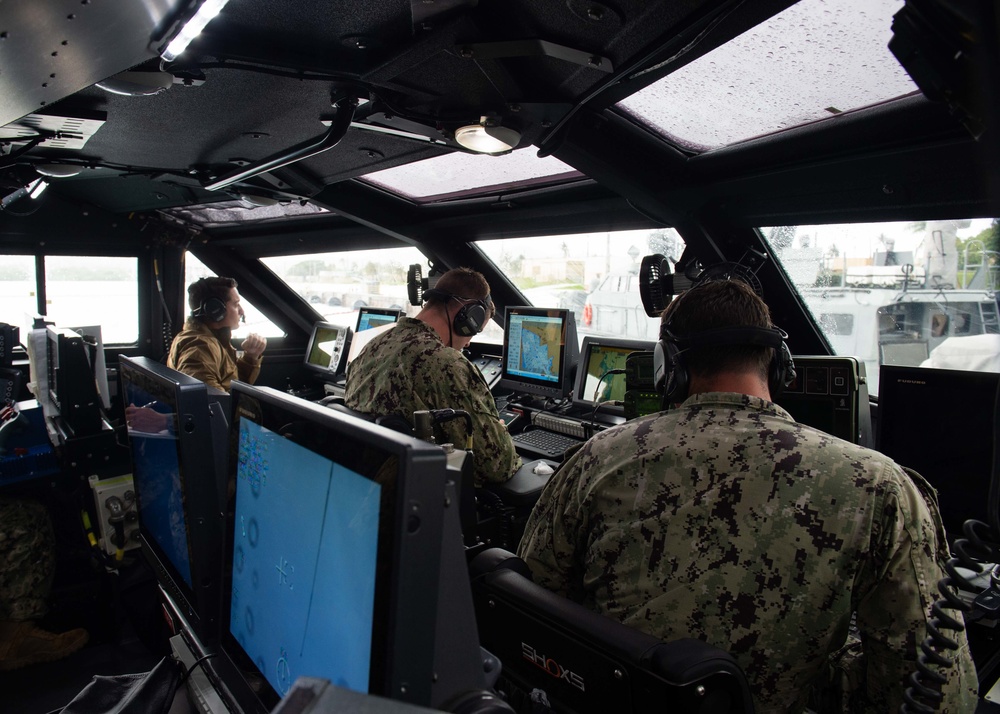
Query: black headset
[(471, 317), (671, 373), (212, 309)]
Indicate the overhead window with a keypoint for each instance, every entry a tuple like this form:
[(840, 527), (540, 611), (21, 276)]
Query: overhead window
[(815, 60), (471, 174)]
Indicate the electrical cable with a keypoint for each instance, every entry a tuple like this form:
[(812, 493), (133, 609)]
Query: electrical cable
[(597, 404), (440, 416), (168, 322), (632, 71), (197, 663), (922, 695)]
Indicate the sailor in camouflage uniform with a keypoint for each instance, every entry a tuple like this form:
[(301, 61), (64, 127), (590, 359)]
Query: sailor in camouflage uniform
[(27, 568), (418, 365), (723, 519)]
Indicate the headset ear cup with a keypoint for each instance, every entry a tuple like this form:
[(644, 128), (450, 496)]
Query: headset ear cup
[(669, 372), (660, 367), (214, 309), (781, 372), (469, 320)]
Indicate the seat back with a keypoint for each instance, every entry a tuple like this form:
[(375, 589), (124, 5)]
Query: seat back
[(586, 662), (465, 486), (390, 421)]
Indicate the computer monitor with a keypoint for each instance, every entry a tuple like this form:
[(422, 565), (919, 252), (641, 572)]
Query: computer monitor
[(327, 350), (369, 317), (598, 356), (92, 335), (920, 426), (71, 381), (333, 553), (830, 393), (175, 439), (540, 351)]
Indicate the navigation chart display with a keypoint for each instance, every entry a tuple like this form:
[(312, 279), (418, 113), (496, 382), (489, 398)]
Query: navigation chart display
[(539, 350), (535, 346)]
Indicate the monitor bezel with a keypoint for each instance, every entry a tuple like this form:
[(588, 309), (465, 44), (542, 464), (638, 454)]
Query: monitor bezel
[(72, 381), (581, 400), (203, 483), (387, 311), (569, 350), (943, 381), (407, 589), (333, 369), (847, 406)]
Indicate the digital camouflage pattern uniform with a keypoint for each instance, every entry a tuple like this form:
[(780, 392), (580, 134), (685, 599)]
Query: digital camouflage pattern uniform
[(409, 369), (27, 559), (725, 520), (209, 355)]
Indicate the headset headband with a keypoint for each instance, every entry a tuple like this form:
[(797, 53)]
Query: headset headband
[(723, 336), (435, 294)]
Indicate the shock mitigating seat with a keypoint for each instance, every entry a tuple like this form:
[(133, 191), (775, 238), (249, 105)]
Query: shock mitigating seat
[(556, 653)]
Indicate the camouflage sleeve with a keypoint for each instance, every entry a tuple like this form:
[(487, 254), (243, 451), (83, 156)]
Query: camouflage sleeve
[(495, 457), (555, 532), (895, 591), (27, 559)]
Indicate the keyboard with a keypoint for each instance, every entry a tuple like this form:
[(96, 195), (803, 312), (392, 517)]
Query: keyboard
[(546, 444)]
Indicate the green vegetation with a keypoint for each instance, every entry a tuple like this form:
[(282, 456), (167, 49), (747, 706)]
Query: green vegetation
[(988, 239)]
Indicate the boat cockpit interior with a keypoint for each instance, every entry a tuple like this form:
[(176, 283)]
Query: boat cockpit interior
[(591, 159)]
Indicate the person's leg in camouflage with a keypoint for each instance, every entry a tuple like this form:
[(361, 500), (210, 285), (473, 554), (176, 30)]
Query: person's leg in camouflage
[(27, 567)]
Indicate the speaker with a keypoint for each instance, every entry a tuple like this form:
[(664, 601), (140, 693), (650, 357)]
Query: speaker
[(471, 317), (671, 373), (212, 309)]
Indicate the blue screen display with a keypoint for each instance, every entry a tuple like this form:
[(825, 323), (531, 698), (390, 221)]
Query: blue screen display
[(367, 320), (304, 556), (534, 347), (157, 478)]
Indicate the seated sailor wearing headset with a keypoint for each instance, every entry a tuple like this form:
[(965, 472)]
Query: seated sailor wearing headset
[(725, 520), (418, 365), (203, 349)]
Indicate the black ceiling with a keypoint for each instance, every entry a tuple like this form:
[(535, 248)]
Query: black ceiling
[(265, 76)]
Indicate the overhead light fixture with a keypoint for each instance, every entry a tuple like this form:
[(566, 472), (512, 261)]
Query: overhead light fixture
[(487, 137), (192, 28), (58, 170), (37, 187), (137, 84)]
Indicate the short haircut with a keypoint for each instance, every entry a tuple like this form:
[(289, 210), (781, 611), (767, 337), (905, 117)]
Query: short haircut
[(714, 305), (463, 283), (204, 288)]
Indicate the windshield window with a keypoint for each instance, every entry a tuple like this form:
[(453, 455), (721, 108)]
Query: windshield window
[(593, 274), (18, 298), (256, 321), (94, 290), (338, 284), (909, 293)]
